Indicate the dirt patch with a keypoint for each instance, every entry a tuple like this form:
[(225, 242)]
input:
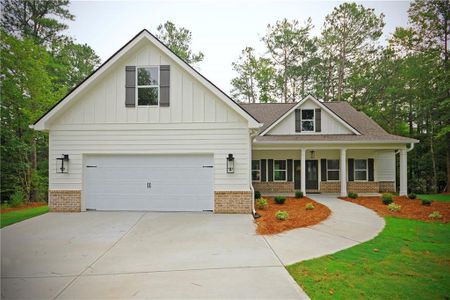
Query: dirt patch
[(411, 209), (23, 206), (299, 216)]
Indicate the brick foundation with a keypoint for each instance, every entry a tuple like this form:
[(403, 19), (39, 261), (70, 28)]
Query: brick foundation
[(363, 187), (233, 202), (64, 200), (387, 187), (274, 187), (330, 186)]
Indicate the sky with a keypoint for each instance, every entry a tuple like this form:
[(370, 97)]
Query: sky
[(220, 29)]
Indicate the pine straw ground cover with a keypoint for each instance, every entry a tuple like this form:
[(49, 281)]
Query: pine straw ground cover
[(410, 209), (299, 216)]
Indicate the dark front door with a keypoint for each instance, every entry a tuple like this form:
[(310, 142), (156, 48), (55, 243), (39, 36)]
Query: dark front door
[(297, 170), (312, 175)]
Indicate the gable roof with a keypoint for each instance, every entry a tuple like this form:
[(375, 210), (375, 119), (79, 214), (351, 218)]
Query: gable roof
[(267, 113), (40, 123)]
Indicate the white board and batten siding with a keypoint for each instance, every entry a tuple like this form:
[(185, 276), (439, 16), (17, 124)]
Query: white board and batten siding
[(196, 122)]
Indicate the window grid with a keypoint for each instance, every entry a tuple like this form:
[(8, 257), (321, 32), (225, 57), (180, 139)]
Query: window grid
[(256, 170), (308, 120), (281, 170), (147, 86), (361, 170), (333, 169)]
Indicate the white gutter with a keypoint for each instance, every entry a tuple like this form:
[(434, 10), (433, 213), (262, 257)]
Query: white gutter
[(252, 135), (407, 150)]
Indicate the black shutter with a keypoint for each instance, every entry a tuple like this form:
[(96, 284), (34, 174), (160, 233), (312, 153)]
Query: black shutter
[(350, 169), (318, 120), (270, 170), (164, 85), (370, 163), (130, 86), (298, 120), (263, 170), (323, 169), (289, 170)]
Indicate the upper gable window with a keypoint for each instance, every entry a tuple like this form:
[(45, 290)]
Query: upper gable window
[(147, 86), (308, 120)]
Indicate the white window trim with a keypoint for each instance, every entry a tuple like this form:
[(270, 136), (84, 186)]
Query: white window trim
[(366, 169), (148, 86), (256, 170), (285, 170), (313, 120), (338, 169)]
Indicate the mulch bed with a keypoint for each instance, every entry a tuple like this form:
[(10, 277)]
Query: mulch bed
[(411, 209), (298, 215), (23, 206)]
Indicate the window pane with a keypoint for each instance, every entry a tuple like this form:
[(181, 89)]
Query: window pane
[(148, 76), (361, 175), (255, 164), (280, 175), (360, 164), (280, 165), (307, 114), (147, 96), (333, 164), (307, 126), (333, 175)]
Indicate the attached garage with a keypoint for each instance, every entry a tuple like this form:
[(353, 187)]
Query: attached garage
[(149, 182)]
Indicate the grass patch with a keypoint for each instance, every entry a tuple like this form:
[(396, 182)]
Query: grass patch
[(12, 217), (435, 197), (408, 260)]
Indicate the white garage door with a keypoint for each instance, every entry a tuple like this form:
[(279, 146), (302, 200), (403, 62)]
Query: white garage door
[(149, 182)]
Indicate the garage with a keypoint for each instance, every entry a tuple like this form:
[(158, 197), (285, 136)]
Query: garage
[(149, 182)]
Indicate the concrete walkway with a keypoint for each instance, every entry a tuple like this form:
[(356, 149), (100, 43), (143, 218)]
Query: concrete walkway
[(349, 224)]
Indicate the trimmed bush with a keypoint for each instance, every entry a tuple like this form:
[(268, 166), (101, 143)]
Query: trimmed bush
[(387, 199), (261, 204), (282, 215), (280, 199), (427, 202), (17, 198), (257, 194), (298, 194), (353, 195), (412, 196), (435, 215), (394, 207), (309, 206)]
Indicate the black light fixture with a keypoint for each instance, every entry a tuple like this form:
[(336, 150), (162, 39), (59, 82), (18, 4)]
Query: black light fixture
[(313, 154), (230, 164), (62, 164)]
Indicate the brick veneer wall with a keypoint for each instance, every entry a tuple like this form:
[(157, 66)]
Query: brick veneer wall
[(387, 187), (274, 187), (64, 200), (363, 187), (233, 202), (330, 186)]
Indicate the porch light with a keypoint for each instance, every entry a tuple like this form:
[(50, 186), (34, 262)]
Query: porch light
[(62, 164), (230, 164), (312, 153)]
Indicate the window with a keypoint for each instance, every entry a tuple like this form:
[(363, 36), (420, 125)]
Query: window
[(256, 170), (307, 119), (360, 169), (333, 169), (148, 86), (279, 170)]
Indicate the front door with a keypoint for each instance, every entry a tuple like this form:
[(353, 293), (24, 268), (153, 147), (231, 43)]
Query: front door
[(312, 175)]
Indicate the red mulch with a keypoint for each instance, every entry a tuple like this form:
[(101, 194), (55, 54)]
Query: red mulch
[(411, 209), (298, 215), (23, 206)]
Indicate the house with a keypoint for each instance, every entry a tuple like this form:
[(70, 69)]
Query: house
[(146, 131)]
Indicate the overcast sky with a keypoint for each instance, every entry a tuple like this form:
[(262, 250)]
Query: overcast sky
[(220, 29)]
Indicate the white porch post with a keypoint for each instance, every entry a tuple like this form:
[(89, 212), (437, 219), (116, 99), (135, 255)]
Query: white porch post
[(403, 172), (303, 171), (343, 173)]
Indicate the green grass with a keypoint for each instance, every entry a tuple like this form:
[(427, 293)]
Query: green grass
[(435, 197), (20, 215), (412, 262)]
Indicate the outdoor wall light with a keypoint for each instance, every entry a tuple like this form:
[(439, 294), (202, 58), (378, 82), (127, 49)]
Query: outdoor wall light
[(312, 153), (230, 164), (62, 164)]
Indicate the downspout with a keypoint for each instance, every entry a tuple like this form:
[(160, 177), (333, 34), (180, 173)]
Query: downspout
[(252, 135)]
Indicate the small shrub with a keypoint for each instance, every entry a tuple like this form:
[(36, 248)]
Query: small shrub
[(394, 207), (262, 204), (309, 206), (427, 202), (353, 195), (412, 196), (298, 194), (257, 195), (17, 198), (280, 199), (5, 205), (282, 215), (435, 215), (387, 199)]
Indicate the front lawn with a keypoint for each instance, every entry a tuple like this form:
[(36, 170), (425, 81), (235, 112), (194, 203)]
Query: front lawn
[(15, 216), (435, 197), (408, 260)]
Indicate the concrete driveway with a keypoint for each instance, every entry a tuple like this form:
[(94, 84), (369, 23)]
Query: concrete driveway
[(140, 255)]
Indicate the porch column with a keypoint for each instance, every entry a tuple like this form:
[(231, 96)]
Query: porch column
[(403, 172), (343, 172), (303, 171)]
